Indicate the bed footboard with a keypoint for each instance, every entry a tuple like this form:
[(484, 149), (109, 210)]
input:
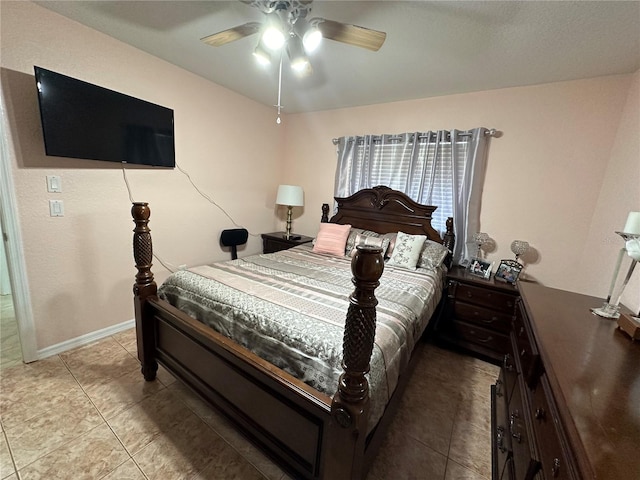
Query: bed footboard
[(306, 432)]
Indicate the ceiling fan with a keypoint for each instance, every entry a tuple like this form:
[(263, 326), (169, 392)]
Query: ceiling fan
[(286, 25)]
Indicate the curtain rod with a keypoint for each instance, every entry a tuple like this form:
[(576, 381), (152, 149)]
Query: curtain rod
[(491, 132)]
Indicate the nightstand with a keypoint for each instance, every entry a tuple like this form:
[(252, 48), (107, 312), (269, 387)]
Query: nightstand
[(276, 241), (477, 314)]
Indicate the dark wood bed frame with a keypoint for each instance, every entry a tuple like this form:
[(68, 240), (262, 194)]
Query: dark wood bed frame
[(308, 433)]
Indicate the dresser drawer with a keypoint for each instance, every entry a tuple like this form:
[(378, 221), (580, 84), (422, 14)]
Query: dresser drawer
[(525, 350), (525, 466), (482, 316), (501, 443), (488, 298), (546, 427), (481, 336)]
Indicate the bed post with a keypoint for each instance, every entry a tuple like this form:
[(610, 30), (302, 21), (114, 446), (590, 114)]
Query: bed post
[(350, 406), (144, 288)]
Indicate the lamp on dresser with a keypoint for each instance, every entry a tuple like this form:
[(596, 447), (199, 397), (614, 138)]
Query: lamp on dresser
[(631, 236), (289, 196)]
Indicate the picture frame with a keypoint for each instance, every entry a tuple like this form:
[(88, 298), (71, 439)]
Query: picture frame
[(508, 271), (480, 268)]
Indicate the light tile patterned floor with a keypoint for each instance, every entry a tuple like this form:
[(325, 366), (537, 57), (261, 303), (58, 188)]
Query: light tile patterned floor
[(88, 414), (10, 352)]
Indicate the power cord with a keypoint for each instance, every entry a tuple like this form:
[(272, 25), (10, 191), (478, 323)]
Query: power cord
[(210, 200), (172, 268)]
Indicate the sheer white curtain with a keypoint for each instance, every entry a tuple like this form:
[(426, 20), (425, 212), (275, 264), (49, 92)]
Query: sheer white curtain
[(441, 168)]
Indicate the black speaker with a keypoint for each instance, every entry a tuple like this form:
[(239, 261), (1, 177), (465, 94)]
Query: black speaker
[(232, 238)]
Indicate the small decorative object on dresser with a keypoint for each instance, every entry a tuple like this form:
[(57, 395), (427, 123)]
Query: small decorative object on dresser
[(480, 238), (519, 248), (508, 271), (276, 241), (630, 325), (631, 236), (480, 268)]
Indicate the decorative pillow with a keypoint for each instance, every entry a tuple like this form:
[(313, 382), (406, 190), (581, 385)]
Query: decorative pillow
[(362, 239), (407, 250), (432, 254), (392, 242), (332, 239), (351, 240)]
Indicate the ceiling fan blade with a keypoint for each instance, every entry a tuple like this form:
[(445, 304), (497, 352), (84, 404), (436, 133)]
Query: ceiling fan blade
[(232, 34), (350, 34)]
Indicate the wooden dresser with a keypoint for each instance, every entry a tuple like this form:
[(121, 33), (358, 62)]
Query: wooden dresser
[(567, 403)]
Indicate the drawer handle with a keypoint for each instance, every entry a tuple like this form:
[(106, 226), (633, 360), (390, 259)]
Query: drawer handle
[(482, 340), (489, 320), (540, 413), (555, 469), (506, 362), (500, 439), (512, 425), (498, 388), (521, 332), (522, 352), (469, 295)]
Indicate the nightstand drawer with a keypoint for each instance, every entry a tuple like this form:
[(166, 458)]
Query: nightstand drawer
[(485, 297), (481, 336), (482, 316)]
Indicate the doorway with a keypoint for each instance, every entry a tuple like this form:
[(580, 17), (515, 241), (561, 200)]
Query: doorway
[(10, 349)]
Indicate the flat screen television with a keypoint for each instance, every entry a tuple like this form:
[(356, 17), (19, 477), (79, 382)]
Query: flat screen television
[(81, 120)]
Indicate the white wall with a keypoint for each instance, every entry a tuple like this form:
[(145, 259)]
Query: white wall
[(80, 266), (568, 151)]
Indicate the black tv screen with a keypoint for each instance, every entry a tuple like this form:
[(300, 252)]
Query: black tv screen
[(81, 120)]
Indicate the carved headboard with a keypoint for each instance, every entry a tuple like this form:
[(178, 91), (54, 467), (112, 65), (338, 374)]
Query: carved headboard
[(383, 210)]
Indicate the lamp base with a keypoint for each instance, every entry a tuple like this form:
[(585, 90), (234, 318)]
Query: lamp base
[(607, 311)]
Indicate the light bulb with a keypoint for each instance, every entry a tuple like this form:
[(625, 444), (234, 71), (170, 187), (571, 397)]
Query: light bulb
[(312, 39), (273, 38)]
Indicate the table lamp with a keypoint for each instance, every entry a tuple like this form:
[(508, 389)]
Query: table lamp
[(290, 196), (631, 236)]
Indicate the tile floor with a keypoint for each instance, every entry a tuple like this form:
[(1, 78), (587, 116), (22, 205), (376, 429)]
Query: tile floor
[(88, 414), (10, 353)]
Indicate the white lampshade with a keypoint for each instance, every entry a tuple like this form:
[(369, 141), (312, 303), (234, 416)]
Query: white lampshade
[(290, 195), (633, 224)]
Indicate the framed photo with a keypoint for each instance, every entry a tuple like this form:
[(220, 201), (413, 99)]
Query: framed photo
[(480, 268), (508, 271)]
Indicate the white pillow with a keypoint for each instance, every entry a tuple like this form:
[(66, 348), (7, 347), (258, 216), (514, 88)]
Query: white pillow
[(407, 250)]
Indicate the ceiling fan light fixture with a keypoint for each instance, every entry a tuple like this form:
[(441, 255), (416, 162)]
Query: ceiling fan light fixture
[(262, 56), (312, 39), (297, 56), (273, 36)]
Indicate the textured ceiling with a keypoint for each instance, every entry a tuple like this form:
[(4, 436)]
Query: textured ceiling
[(432, 48)]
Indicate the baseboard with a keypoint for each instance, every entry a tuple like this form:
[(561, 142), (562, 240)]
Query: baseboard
[(84, 339)]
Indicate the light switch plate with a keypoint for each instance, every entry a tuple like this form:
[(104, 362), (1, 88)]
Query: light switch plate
[(54, 184), (56, 208)]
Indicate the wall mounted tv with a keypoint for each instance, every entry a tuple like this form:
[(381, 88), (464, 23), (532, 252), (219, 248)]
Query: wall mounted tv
[(81, 120)]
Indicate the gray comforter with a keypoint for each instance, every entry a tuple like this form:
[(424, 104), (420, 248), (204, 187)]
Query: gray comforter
[(289, 308)]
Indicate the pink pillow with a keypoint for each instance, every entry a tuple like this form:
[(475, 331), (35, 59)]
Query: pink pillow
[(332, 238)]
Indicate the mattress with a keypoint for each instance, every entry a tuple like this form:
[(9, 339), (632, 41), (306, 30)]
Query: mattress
[(290, 307)]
